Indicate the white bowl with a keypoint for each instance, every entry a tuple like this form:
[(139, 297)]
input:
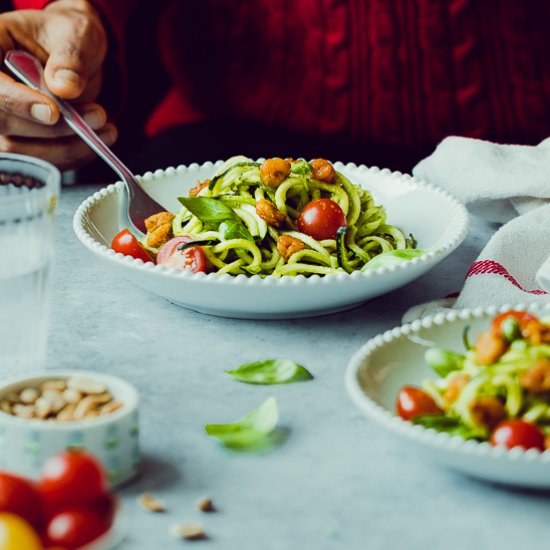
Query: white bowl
[(395, 358), (438, 221), (113, 439)]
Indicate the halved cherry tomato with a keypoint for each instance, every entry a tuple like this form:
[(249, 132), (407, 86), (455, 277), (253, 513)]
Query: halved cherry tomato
[(191, 258), (76, 526), (19, 496), (517, 433), (413, 402), (72, 477), (522, 318), (125, 243), (17, 534), (321, 219)]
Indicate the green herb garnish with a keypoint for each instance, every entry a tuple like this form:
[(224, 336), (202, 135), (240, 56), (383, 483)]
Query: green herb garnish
[(270, 371), (254, 432)]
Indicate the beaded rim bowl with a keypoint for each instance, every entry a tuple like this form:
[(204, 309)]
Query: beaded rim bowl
[(393, 359), (437, 220)]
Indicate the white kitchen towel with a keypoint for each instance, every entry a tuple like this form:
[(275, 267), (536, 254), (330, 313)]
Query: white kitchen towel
[(509, 184)]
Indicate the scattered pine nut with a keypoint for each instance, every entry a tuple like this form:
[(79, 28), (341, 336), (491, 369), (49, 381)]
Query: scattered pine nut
[(189, 531), (150, 503), (205, 505)]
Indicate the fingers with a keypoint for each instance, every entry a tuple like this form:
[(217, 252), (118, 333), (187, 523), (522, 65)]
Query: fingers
[(64, 152), (18, 100), (15, 123), (66, 74)]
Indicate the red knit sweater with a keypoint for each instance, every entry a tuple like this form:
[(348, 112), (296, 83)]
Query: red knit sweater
[(397, 72)]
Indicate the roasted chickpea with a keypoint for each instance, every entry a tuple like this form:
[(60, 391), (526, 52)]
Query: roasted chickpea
[(287, 245), (159, 228), (268, 212), (195, 190), (274, 171), (323, 171)]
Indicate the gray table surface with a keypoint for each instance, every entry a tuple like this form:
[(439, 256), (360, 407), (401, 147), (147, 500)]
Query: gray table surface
[(339, 481)]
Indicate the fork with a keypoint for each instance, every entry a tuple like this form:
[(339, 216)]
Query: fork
[(137, 204)]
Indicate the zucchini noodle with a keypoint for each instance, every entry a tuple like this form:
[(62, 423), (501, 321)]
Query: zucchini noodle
[(505, 376), (245, 242)]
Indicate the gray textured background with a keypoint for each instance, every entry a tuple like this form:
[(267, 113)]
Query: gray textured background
[(339, 481)]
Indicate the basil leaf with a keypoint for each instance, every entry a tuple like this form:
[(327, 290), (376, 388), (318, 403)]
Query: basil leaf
[(233, 229), (443, 361), (436, 421), (270, 371), (446, 424), (251, 431), (393, 257), (300, 168), (208, 210)]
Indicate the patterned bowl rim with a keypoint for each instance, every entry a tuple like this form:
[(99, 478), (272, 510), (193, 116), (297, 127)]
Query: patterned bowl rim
[(460, 216), (420, 434)]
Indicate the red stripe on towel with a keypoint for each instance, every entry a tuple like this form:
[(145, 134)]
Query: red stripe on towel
[(489, 266)]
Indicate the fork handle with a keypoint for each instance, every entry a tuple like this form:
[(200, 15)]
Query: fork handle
[(29, 70)]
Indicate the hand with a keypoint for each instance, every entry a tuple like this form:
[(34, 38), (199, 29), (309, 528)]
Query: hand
[(69, 38)]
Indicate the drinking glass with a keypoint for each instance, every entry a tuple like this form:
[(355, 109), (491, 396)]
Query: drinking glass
[(29, 189)]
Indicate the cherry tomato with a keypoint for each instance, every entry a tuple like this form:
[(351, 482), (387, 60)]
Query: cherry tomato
[(20, 497), (191, 258), (321, 219), (522, 317), (413, 402), (76, 526), (106, 506), (72, 477), (125, 243), (17, 534), (517, 433)]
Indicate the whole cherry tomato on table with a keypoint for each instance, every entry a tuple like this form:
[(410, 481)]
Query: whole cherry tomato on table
[(17, 534), (413, 402), (72, 478), (19, 496), (190, 258), (125, 243), (76, 526), (517, 433), (321, 219)]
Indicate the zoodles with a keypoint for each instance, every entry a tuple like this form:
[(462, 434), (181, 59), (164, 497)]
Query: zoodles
[(499, 386), (252, 219)]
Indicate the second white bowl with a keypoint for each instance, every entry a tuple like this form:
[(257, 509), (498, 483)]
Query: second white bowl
[(395, 358)]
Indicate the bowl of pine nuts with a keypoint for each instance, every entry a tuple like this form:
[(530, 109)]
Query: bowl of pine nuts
[(43, 415)]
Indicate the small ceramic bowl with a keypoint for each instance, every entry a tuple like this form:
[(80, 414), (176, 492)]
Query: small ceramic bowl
[(395, 358), (113, 438)]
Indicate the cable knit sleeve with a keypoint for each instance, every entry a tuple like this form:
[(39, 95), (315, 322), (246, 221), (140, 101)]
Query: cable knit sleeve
[(115, 16)]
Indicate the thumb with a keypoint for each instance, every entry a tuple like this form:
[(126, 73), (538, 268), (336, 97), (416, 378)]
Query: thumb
[(66, 72)]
